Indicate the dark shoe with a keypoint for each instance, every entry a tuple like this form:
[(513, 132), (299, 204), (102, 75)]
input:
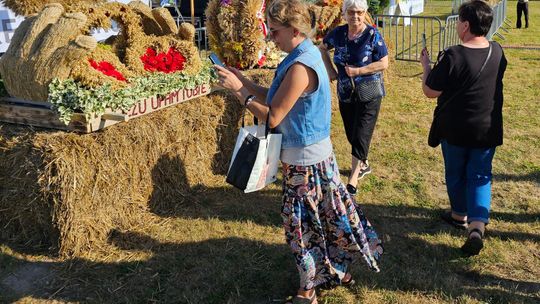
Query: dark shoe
[(473, 245), (351, 189), (333, 284), (364, 171), (301, 300), (447, 217)]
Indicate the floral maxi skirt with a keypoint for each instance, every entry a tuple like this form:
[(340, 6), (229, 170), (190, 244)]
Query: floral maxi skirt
[(324, 226)]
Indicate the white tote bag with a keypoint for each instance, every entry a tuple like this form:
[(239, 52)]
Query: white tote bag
[(255, 158)]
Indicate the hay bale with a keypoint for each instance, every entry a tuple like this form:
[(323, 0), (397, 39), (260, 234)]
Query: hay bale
[(69, 191)]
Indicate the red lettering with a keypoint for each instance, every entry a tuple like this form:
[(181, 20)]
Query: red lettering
[(174, 96), (155, 105), (142, 103), (133, 111), (203, 89), (189, 93), (197, 91)]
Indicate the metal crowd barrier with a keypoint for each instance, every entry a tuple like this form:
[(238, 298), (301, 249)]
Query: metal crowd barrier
[(499, 18), (404, 33), (451, 36)]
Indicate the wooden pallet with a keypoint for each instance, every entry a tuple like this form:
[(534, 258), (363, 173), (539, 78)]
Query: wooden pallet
[(40, 114)]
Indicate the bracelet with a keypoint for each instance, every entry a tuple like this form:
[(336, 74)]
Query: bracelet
[(248, 100)]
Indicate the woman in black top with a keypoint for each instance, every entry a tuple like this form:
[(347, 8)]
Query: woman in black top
[(467, 81)]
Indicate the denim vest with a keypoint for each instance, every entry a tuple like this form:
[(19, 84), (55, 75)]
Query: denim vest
[(308, 122)]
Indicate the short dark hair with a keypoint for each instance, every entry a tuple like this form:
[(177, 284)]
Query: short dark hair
[(479, 14)]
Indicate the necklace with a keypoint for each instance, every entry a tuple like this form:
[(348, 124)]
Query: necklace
[(355, 36)]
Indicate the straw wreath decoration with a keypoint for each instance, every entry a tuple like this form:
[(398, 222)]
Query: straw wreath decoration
[(149, 56)]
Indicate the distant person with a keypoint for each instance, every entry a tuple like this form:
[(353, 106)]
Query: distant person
[(468, 118), (360, 57), (324, 227), (522, 7)]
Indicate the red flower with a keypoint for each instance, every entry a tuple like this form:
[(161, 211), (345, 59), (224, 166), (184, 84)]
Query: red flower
[(107, 68), (261, 61), (169, 62)]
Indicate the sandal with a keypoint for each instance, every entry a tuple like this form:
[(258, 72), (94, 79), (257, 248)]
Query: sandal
[(473, 245), (333, 284), (351, 189), (447, 217), (348, 283), (302, 300)]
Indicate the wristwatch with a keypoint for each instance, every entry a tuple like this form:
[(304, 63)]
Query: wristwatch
[(248, 100)]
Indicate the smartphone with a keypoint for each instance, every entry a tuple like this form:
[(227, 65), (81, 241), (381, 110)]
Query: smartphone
[(215, 59), (424, 43)]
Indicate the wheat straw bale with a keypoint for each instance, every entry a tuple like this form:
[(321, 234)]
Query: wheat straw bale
[(69, 191)]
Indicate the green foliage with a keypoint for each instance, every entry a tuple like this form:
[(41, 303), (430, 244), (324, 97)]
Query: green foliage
[(68, 96), (382, 5), (104, 46), (374, 6)]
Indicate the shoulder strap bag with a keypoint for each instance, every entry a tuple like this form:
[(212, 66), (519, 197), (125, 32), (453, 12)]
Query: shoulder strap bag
[(255, 158), (433, 138)]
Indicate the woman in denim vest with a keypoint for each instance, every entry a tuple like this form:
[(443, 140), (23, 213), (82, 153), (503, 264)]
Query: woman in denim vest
[(360, 56), (323, 224)]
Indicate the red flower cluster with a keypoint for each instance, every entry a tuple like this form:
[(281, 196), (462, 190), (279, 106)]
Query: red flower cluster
[(169, 62), (107, 68), (261, 61)]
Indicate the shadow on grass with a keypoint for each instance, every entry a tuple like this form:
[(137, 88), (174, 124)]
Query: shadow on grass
[(415, 260), (235, 270), (530, 177), (515, 217), (174, 197), (228, 270)]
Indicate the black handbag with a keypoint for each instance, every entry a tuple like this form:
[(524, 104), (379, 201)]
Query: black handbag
[(241, 167), (369, 90), (433, 137), (255, 158)]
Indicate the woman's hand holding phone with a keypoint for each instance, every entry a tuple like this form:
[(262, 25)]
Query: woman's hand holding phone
[(215, 59), (228, 79)]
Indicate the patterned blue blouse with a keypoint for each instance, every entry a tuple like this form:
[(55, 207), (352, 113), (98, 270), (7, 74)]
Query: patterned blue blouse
[(367, 48)]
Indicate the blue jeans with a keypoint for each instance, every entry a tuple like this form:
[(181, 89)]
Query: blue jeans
[(468, 180)]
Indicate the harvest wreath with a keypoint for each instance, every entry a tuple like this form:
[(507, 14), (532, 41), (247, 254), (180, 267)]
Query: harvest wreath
[(53, 58), (237, 30)]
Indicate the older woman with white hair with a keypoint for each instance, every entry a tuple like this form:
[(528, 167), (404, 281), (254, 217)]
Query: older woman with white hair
[(360, 56)]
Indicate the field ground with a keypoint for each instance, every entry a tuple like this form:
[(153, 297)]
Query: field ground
[(220, 246)]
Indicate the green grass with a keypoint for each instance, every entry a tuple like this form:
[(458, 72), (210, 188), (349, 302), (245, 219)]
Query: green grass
[(227, 247)]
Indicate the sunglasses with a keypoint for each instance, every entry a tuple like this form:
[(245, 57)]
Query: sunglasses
[(273, 32)]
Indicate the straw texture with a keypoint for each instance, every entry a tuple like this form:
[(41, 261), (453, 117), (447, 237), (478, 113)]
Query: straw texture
[(68, 191), (56, 44)]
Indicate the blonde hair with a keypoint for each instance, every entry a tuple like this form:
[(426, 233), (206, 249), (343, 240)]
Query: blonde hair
[(294, 13)]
